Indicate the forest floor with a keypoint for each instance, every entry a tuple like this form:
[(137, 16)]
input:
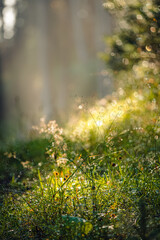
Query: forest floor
[(98, 178)]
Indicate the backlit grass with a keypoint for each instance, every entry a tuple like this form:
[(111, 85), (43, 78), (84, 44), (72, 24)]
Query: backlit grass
[(98, 179)]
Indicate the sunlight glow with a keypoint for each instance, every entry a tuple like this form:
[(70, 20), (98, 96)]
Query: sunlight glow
[(80, 107), (9, 18), (112, 113), (99, 123), (9, 2), (9, 15)]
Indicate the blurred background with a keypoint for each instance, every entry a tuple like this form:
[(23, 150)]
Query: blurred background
[(49, 59)]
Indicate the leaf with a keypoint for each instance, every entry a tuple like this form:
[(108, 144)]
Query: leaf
[(81, 224), (87, 227)]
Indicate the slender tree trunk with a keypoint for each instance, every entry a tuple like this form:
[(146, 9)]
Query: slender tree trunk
[(79, 37), (43, 55)]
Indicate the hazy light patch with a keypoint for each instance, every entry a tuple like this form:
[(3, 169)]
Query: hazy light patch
[(80, 107), (10, 2), (9, 34), (89, 123), (113, 112), (99, 123), (9, 18)]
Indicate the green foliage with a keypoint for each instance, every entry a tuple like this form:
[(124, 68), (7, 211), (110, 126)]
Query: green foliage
[(133, 52), (19, 159), (103, 182)]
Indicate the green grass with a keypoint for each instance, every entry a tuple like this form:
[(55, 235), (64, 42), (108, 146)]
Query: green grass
[(97, 179)]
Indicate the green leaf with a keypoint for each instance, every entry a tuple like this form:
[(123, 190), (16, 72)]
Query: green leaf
[(75, 222)]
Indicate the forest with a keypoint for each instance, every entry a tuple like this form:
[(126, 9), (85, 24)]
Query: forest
[(93, 172)]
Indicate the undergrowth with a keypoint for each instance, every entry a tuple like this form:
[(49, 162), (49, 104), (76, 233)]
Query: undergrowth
[(96, 179)]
